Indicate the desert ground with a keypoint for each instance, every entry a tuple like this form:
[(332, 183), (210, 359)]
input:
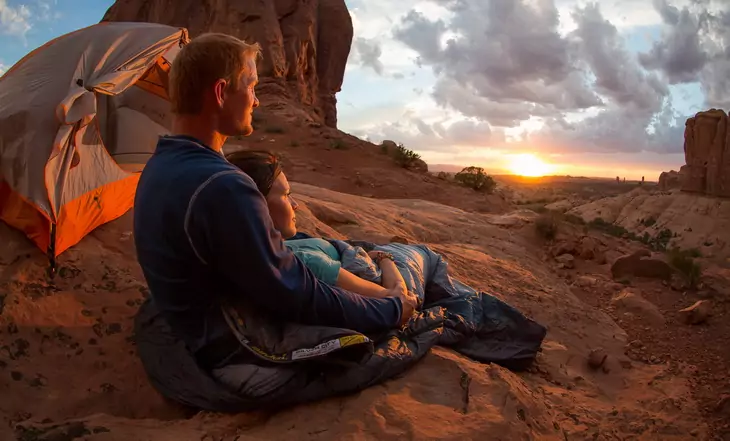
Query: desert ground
[(631, 280), (620, 360)]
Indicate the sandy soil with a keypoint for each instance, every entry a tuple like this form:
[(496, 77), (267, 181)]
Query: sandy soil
[(68, 368)]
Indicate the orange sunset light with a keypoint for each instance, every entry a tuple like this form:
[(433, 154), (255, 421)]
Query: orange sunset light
[(527, 164)]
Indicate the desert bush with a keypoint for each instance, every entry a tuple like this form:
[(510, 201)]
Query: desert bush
[(609, 228), (574, 219), (294, 143), (403, 156), (648, 222), (662, 239), (475, 178), (443, 175), (547, 226), (684, 262), (338, 144), (274, 129)]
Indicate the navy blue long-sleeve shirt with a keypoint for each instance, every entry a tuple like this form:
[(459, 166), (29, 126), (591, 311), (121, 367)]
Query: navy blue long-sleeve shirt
[(203, 231)]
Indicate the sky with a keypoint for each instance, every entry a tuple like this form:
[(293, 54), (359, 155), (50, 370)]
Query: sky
[(530, 86)]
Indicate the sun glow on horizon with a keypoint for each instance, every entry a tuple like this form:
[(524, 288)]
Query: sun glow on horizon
[(527, 164)]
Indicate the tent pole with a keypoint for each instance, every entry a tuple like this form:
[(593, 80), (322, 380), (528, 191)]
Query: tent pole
[(52, 253)]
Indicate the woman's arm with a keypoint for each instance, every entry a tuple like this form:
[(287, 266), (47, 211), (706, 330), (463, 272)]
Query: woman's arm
[(393, 283), (350, 282)]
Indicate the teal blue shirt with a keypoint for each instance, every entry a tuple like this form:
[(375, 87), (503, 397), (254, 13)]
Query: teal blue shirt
[(319, 256)]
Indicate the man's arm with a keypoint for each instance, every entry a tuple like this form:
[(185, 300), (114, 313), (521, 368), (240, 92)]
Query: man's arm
[(230, 228)]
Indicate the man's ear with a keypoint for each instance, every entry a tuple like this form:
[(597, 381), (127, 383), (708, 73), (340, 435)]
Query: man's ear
[(220, 91)]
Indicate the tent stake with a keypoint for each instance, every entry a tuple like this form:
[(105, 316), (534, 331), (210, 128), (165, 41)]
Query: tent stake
[(52, 253)]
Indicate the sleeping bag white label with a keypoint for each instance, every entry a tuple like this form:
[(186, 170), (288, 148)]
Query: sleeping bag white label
[(320, 349)]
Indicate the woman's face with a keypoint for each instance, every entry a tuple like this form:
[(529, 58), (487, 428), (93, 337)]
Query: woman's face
[(282, 207)]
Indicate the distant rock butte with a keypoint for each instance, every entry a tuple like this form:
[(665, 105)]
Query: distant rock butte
[(305, 43), (670, 180), (707, 154)]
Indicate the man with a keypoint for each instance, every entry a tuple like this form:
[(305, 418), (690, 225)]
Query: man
[(202, 229)]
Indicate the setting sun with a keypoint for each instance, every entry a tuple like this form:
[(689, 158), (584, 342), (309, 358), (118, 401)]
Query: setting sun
[(527, 164)]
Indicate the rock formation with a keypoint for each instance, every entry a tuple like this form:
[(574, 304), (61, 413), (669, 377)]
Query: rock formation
[(707, 154), (305, 42), (669, 180)]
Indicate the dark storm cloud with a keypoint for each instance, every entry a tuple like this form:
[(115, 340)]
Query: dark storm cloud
[(504, 61), (695, 46)]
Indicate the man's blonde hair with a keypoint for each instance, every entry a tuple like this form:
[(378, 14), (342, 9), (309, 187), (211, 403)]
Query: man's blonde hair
[(205, 60)]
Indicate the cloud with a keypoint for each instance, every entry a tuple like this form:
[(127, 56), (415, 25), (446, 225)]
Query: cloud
[(438, 135), (14, 20), (694, 46), (501, 64), (499, 54), (367, 52)]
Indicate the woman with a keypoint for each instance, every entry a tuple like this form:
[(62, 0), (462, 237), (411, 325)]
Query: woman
[(318, 255)]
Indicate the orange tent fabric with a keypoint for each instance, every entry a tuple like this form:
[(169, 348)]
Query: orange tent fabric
[(79, 117)]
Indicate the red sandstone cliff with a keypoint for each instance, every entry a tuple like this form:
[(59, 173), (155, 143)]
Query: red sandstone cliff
[(305, 42), (707, 154)]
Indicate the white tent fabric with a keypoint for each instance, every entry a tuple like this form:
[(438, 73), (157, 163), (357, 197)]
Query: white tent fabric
[(51, 148)]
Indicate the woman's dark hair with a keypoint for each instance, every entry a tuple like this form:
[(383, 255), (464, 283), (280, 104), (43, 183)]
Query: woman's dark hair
[(261, 165)]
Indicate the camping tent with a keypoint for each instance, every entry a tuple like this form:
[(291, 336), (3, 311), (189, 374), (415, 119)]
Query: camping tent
[(79, 117)]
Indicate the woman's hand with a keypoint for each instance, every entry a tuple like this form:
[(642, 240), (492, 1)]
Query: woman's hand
[(378, 256)]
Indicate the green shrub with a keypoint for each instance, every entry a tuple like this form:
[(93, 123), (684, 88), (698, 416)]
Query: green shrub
[(338, 144), (475, 178), (443, 175), (607, 227), (573, 219), (683, 261), (547, 226), (662, 239), (404, 157), (648, 222)]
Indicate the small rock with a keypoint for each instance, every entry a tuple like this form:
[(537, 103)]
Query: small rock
[(567, 260), (568, 247), (597, 357), (640, 264), (586, 281), (630, 300), (697, 313)]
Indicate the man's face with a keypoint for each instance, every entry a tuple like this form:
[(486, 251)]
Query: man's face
[(238, 105)]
